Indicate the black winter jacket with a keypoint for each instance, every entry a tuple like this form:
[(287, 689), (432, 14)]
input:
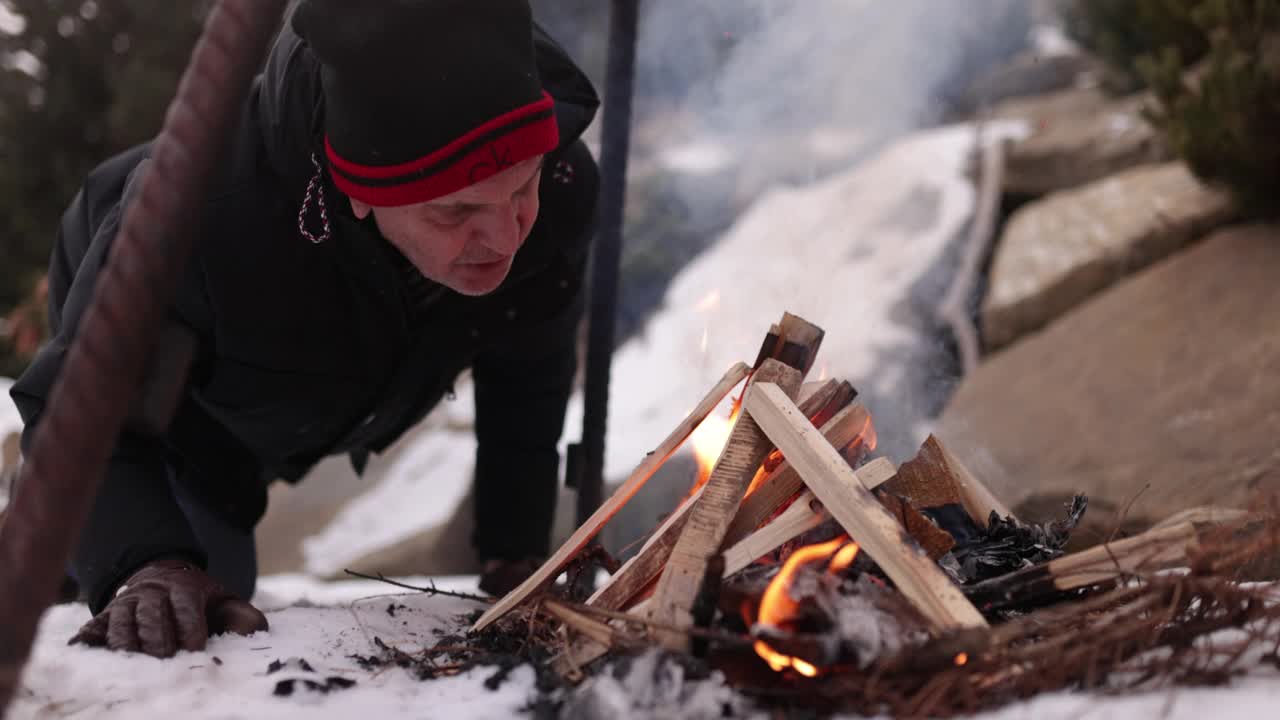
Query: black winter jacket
[(309, 349)]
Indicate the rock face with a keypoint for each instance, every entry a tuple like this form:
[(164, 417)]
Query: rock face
[(1169, 381), (1057, 252), (1077, 136)]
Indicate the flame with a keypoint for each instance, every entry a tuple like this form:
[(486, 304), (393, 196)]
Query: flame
[(778, 607), (709, 302), (708, 440), (844, 558), (868, 435), (962, 659)]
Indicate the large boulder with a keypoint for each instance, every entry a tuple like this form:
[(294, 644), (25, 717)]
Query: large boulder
[(1169, 381), (1076, 136), (1057, 252)]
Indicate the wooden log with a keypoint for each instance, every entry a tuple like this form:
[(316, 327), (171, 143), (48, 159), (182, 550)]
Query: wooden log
[(808, 336), (819, 405), (803, 515), (935, 477), (978, 498), (1150, 551), (555, 565), (1207, 515), (639, 572), (935, 541), (774, 491), (857, 510), (794, 341), (598, 632), (814, 387), (710, 515)]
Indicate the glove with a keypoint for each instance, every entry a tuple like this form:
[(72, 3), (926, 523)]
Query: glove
[(169, 605)]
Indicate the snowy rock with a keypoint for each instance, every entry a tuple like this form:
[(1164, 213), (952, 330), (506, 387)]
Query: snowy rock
[(1077, 136), (1058, 251), (1171, 378)]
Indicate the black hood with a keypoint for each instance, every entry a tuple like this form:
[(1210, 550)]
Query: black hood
[(289, 103)]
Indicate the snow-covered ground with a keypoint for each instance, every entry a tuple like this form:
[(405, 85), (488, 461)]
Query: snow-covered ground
[(324, 624)]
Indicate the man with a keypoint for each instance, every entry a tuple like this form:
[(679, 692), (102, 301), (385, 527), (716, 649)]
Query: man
[(406, 196)]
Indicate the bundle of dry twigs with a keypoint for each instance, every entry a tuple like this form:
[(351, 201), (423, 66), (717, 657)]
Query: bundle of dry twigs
[(1147, 631)]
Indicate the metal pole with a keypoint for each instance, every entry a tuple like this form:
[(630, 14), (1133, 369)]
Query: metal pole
[(104, 365), (615, 145)]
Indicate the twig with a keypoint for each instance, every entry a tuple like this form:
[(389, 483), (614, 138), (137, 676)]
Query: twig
[(722, 637), (1124, 513), (433, 590)]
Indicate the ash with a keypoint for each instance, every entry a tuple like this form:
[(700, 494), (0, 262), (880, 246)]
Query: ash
[(867, 631), (654, 684)]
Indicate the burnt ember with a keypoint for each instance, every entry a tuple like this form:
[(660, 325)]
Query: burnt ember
[(285, 688), (1006, 544)]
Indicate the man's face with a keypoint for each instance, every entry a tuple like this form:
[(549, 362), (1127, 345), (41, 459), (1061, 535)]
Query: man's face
[(466, 240)]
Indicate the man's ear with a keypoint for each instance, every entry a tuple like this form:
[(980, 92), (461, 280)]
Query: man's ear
[(359, 209)]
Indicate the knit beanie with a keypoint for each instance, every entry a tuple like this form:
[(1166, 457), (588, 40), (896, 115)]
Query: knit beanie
[(425, 97)]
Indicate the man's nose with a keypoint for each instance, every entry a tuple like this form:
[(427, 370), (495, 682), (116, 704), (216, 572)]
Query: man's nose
[(508, 228)]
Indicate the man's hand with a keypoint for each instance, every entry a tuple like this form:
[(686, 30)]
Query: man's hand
[(169, 605)]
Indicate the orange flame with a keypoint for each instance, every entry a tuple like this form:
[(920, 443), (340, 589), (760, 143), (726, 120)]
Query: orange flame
[(778, 607), (962, 659), (866, 436), (708, 441)]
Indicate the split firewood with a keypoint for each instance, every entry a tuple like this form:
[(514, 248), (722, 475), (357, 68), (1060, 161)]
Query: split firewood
[(555, 565), (1207, 515), (820, 389), (794, 341), (935, 477), (820, 405), (599, 632), (935, 541), (643, 568), (783, 484), (639, 571), (808, 337), (1151, 551), (710, 515), (803, 515), (827, 474)]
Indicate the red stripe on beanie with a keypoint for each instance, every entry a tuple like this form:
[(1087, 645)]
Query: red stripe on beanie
[(497, 144)]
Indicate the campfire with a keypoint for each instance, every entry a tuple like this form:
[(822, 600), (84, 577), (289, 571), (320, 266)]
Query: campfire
[(811, 571)]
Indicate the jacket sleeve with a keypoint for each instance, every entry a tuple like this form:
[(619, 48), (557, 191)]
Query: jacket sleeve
[(135, 517), (521, 395), (522, 388)]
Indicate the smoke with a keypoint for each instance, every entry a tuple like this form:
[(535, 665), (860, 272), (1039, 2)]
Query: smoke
[(750, 71)]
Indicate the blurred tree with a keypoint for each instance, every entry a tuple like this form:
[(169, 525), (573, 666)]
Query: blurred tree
[(1121, 31), (1223, 115), (79, 81)]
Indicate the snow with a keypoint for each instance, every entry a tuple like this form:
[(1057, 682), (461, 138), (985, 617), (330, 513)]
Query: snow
[(66, 681), (325, 623)]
